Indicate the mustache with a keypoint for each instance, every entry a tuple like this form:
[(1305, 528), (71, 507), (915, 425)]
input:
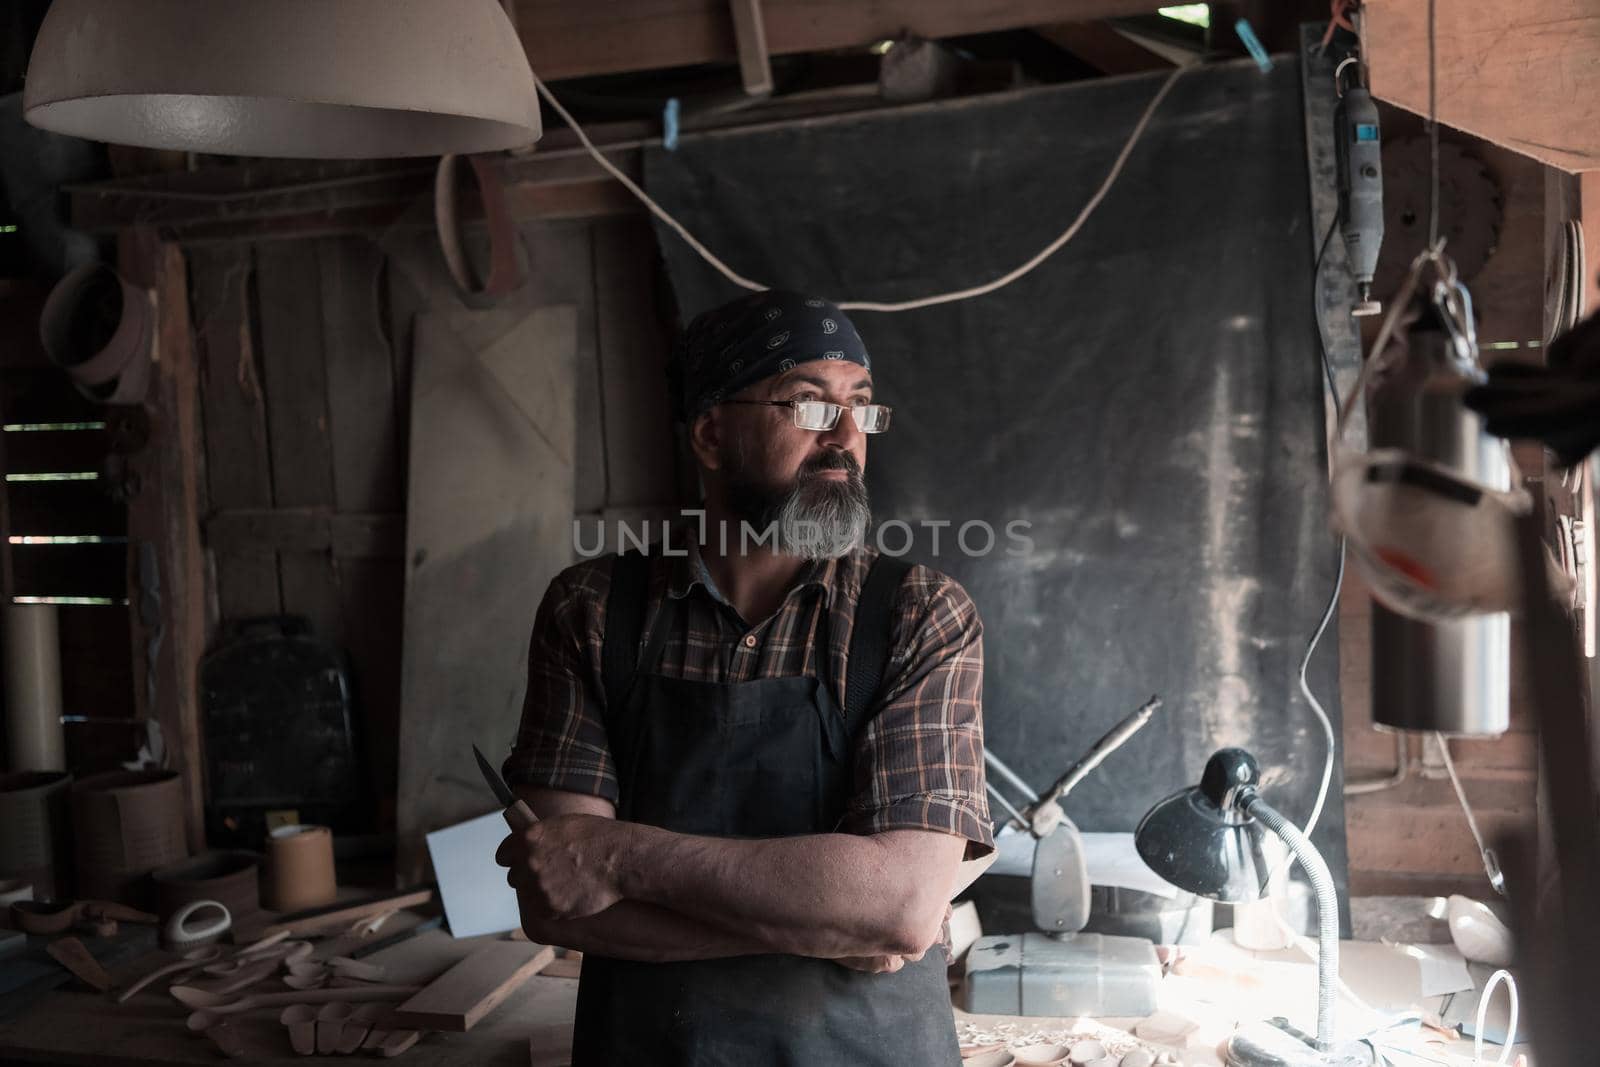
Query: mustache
[(832, 460)]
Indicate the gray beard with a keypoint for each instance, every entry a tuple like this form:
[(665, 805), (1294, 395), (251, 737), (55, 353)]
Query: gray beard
[(825, 520), (814, 519)]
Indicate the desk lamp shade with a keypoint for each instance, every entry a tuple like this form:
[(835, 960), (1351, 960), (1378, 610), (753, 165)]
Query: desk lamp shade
[(313, 79), (1202, 841)]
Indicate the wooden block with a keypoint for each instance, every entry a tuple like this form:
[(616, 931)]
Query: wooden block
[(464, 994)]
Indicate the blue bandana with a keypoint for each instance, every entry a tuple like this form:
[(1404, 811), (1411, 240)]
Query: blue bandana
[(731, 348)]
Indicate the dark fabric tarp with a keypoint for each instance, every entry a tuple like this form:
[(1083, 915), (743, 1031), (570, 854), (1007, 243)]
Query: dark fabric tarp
[(1148, 400)]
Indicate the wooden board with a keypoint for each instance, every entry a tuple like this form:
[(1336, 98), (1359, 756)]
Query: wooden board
[(233, 408), (464, 994), (489, 522), (632, 346), (571, 38), (1521, 75), (295, 373), (164, 523)]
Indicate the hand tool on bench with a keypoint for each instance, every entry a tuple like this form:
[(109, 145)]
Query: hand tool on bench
[(98, 917)]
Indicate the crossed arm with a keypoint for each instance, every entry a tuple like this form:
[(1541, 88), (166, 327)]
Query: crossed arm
[(628, 891)]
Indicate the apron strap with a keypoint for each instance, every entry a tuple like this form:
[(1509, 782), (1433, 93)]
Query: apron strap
[(870, 637), (625, 606)]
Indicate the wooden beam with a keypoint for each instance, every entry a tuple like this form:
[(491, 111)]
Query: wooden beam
[(1521, 75), (1100, 45), (272, 200), (575, 38), (166, 564), (750, 35)]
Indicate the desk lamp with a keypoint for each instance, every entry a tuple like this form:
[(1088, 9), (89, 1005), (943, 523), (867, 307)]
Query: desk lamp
[(1208, 840)]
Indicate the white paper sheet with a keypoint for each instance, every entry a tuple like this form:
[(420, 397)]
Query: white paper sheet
[(472, 886), (1444, 969)]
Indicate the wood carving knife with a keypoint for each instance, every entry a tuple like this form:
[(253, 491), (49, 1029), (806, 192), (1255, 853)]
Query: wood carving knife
[(518, 815)]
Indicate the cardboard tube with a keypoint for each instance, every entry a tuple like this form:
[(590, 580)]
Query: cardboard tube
[(300, 866), (34, 738), (126, 824)]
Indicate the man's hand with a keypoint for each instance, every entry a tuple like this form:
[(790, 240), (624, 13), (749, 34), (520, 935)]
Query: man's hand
[(565, 867)]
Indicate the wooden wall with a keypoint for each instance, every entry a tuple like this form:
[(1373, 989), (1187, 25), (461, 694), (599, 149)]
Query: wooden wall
[(305, 355)]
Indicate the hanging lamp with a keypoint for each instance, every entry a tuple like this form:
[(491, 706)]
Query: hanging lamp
[(312, 79)]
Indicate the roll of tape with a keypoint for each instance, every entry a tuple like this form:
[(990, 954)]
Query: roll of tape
[(300, 864), (179, 932)]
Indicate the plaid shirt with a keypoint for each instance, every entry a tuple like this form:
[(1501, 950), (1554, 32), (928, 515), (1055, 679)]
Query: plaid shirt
[(919, 761)]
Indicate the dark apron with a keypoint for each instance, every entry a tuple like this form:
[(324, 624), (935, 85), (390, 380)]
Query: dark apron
[(766, 758)]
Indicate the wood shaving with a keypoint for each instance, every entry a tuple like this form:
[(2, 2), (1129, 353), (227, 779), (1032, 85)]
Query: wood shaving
[(1118, 1043)]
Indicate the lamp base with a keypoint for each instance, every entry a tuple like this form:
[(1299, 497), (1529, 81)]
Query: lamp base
[(1277, 1044)]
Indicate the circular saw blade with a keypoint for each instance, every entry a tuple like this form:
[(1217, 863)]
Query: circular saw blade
[(1470, 210)]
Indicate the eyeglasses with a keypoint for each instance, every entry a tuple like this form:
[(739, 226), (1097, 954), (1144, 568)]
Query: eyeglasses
[(822, 415)]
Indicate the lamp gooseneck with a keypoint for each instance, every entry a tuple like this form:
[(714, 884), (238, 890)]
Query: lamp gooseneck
[(1327, 909)]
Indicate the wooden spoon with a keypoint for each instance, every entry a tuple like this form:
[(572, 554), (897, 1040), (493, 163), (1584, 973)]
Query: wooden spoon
[(240, 960), (246, 976), (257, 947), (330, 1025), (345, 967), (301, 1019), (305, 981), (359, 1025), (194, 959), (190, 997)]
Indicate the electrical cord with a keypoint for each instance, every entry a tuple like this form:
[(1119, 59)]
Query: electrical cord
[(1338, 579), (865, 305), (1491, 863)]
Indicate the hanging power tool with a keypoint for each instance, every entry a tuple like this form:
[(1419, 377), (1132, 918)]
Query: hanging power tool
[(1356, 146)]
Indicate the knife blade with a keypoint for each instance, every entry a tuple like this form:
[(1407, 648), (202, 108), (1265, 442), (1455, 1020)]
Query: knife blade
[(517, 813)]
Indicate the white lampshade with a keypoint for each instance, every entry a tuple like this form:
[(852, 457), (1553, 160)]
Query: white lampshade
[(314, 79)]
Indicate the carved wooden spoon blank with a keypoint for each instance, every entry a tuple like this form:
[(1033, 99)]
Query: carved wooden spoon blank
[(192, 960), (301, 1019), (330, 1025)]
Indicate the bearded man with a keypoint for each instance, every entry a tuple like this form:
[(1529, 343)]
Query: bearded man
[(757, 762)]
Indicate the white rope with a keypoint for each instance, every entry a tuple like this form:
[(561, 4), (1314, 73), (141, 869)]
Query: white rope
[(1483, 1007), (1491, 863), (865, 305)]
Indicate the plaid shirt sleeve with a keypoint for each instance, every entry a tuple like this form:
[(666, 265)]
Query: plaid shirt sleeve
[(561, 742), (919, 763)]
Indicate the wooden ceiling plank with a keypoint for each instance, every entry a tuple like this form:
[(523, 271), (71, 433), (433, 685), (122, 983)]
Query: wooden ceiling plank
[(576, 38)]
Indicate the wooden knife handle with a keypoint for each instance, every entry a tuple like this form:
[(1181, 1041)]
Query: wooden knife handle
[(519, 816)]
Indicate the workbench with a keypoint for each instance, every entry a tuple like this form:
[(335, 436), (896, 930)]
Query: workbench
[(85, 1028)]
